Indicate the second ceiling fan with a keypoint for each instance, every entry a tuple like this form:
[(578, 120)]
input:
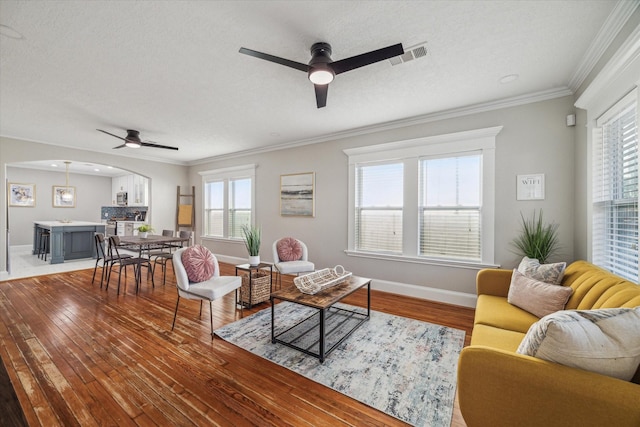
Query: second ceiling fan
[(322, 69)]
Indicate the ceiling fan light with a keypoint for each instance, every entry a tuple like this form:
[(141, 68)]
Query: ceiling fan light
[(132, 144), (321, 76)]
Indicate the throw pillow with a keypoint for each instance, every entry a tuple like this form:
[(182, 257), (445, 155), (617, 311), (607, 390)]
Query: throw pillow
[(289, 249), (548, 273), (198, 262), (606, 341), (538, 298)]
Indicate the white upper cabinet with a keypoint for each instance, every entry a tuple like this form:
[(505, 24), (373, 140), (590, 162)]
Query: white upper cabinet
[(136, 187)]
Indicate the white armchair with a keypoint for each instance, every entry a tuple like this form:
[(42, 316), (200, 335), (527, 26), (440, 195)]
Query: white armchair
[(295, 266), (209, 290)]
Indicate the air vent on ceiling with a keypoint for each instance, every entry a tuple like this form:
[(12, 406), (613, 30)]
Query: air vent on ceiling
[(411, 53)]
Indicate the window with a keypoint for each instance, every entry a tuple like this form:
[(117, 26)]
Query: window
[(615, 189), (379, 207), (450, 207), (426, 200), (228, 201)]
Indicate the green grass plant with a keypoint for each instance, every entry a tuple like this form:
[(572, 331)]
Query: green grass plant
[(537, 239), (252, 239)]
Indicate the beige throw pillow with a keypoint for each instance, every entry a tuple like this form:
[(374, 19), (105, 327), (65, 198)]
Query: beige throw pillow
[(548, 273), (537, 297), (606, 341)]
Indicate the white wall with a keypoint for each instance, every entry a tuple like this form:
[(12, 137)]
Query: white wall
[(92, 192), (535, 139), (164, 179)]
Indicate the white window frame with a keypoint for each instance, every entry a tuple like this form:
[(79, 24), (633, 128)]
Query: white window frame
[(410, 151), (226, 174)]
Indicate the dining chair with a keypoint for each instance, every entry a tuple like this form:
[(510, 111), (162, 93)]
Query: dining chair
[(163, 255), (290, 256), (164, 258), (209, 290), (124, 261), (104, 257)]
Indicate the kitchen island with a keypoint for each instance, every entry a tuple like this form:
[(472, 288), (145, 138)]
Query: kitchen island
[(69, 240)]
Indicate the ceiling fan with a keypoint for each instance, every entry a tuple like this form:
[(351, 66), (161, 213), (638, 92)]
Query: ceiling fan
[(322, 70), (132, 140)]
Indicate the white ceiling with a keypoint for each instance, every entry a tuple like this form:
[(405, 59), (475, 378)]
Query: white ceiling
[(171, 69)]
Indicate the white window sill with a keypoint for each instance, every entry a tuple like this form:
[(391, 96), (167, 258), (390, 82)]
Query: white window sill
[(422, 260), (236, 240)]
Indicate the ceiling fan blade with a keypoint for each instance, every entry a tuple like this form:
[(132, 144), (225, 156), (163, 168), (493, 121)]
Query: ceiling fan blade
[(374, 56), (321, 95), (286, 62), (109, 133), (119, 146), (150, 144)]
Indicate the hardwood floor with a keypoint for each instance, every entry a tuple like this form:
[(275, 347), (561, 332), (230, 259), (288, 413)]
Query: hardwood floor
[(80, 355)]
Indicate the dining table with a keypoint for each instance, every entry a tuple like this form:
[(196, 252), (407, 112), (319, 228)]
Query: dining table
[(152, 241)]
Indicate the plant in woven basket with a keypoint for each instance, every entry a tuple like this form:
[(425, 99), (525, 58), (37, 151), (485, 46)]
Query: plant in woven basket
[(252, 239), (537, 239)]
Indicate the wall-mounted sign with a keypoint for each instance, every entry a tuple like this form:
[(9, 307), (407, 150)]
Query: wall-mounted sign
[(530, 187)]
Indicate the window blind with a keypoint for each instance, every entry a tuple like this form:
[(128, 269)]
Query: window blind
[(615, 190), (450, 209), (379, 207)]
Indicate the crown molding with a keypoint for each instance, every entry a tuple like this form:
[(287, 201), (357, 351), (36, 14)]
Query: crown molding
[(626, 58), (618, 17), (396, 124)]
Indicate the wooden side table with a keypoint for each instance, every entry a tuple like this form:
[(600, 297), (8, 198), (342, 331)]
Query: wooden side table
[(250, 269)]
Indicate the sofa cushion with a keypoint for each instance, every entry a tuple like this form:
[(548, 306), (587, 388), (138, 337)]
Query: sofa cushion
[(538, 298), (606, 341), (496, 311), (548, 273), (198, 263), (493, 337), (289, 249)]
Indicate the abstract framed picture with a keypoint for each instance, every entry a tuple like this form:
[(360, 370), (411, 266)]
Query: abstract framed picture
[(297, 194), (22, 195), (64, 197)]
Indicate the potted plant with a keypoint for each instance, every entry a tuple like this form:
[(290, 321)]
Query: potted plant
[(143, 230), (252, 242), (537, 239)]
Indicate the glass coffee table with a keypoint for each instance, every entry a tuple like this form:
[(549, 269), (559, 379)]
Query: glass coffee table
[(328, 325)]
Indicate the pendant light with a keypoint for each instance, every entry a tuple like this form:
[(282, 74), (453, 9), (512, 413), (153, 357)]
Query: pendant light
[(66, 195)]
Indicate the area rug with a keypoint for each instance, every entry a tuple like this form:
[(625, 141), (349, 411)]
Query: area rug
[(403, 367)]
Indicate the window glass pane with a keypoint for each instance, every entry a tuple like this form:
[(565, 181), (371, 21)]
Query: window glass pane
[(453, 181), (380, 185), (379, 207)]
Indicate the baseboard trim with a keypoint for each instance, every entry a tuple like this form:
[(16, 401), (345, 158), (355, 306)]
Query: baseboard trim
[(405, 289), (425, 292)]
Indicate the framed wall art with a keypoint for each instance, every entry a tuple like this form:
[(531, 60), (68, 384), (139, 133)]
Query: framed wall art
[(23, 195), (530, 187), (64, 197), (297, 194)]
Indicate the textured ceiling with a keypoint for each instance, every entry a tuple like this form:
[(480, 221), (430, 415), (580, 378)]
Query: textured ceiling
[(171, 69)]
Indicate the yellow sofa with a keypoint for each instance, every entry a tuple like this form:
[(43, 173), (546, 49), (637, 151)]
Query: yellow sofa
[(498, 387)]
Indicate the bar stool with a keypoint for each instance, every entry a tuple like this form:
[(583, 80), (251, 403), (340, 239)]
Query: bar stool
[(43, 247)]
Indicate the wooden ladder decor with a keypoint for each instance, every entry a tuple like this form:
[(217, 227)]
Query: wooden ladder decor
[(186, 209)]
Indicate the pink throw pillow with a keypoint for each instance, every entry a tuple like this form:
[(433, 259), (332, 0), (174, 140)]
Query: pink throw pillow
[(198, 262), (289, 249)]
